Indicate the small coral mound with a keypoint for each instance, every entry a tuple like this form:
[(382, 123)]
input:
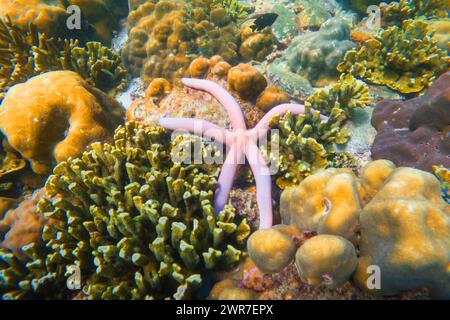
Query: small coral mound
[(271, 250), (405, 231), (165, 36), (246, 81), (138, 225), (415, 132), (326, 259), (405, 59), (54, 116)]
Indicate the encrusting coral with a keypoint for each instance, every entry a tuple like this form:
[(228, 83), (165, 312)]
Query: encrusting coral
[(165, 36), (405, 59), (315, 55), (415, 132), (28, 53), (54, 116), (138, 225)]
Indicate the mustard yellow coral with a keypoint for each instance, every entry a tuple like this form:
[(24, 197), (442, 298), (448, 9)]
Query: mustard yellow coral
[(54, 116)]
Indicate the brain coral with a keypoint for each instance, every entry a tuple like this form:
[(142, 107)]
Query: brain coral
[(138, 225), (405, 231), (165, 36), (405, 59), (54, 116), (415, 132), (315, 55)]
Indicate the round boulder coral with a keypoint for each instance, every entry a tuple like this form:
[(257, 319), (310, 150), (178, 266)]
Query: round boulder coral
[(326, 259), (54, 116), (271, 250), (327, 202), (246, 81)]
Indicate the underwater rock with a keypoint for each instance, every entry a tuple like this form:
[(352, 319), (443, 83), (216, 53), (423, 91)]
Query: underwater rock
[(405, 231), (270, 249), (326, 259), (315, 55), (414, 132), (165, 36), (327, 202), (284, 27), (405, 59), (54, 116)]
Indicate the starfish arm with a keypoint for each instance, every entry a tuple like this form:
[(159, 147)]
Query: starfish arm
[(198, 127), (263, 125), (226, 178), (263, 184), (226, 100)]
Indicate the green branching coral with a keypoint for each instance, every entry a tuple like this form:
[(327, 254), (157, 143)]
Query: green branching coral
[(11, 164), (305, 143), (235, 9), (347, 94), (136, 223), (395, 12), (27, 54), (405, 59)]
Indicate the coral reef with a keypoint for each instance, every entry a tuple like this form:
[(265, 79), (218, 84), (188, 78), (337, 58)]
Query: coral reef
[(246, 81), (137, 224), (54, 116), (443, 174), (315, 55), (414, 132), (242, 143), (165, 36), (29, 53), (405, 232), (326, 259), (405, 59)]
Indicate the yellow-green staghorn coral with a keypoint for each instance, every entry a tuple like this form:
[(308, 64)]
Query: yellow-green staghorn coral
[(305, 143), (137, 224), (26, 54), (347, 94), (404, 59)]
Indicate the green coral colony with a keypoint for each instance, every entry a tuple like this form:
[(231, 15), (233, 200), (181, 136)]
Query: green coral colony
[(127, 206)]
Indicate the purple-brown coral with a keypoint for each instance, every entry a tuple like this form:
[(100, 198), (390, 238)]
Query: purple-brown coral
[(415, 133)]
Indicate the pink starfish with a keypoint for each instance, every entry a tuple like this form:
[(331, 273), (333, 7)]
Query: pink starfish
[(242, 142)]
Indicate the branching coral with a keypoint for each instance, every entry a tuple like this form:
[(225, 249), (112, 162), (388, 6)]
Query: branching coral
[(405, 59), (235, 9), (26, 54), (165, 36), (137, 224), (305, 143), (347, 95)]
